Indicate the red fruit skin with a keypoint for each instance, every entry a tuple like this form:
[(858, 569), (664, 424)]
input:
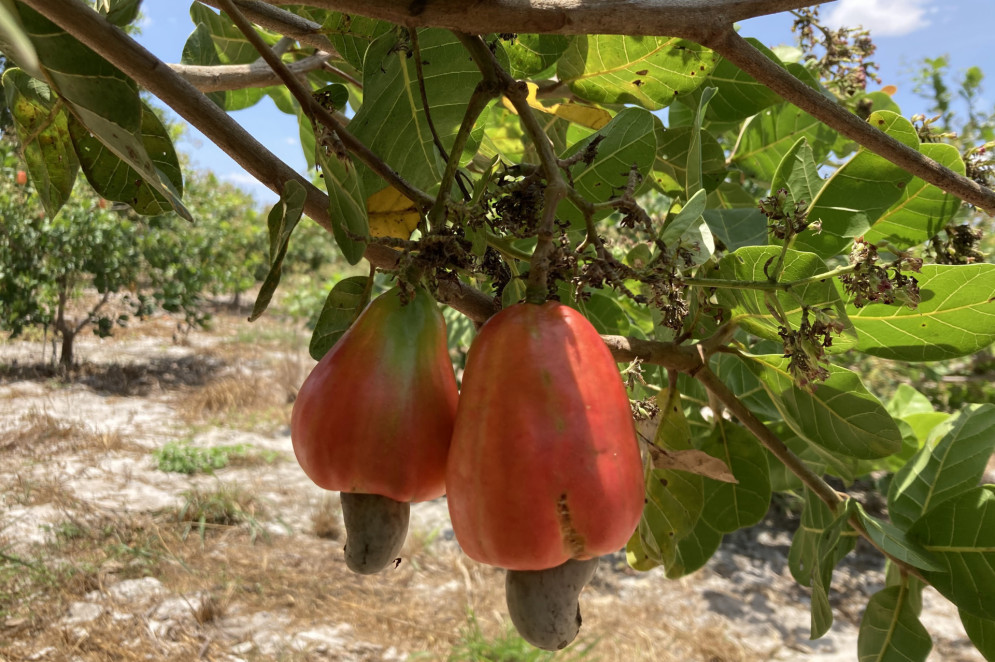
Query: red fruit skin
[(544, 464), (22, 178), (376, 414)]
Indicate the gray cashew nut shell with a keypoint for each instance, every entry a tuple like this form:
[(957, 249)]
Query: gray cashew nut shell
[(543, 603), (375, 530)]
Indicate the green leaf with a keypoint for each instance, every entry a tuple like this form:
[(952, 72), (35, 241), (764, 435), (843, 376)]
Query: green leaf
[(769, 135), (344, 303), (840, 416), (605, 313), (42, 128), (817, 547), (739, 94), (646, 71), (923, 209), (102, 98), (199, 49), (282, 220), (906, 400), (674, 499), (694, 550), (890, 630), (670, 168), (119, 12), (951, 463), (346, 203), (893, 541), (981, 632), (960, 532), (798, 173), (956, 317), (690, 214), (14, 41), (532, 54), (749, 306), (352, 34), (627, 141), (732, 506), (858, 193), (233, 47), (391, 120), (695, 179), (115, 180), (737, 228)]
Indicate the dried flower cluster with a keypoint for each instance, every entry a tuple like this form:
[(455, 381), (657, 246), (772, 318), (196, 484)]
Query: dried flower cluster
[(844, 66), (784, 222), (806, 346), (869, 282)]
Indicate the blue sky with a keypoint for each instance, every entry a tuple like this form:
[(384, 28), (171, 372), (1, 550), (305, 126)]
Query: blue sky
[(905, 32)]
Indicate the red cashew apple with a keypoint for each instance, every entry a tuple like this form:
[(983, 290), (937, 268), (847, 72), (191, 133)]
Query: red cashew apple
[(544, 468), (374, 420)]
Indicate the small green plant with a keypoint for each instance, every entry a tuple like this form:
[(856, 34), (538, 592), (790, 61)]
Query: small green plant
[(474, 646), (183, 458)]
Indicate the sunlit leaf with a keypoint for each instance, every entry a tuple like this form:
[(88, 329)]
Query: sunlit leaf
[(647, 71), (890, 630), (956, 317), (344, 303)]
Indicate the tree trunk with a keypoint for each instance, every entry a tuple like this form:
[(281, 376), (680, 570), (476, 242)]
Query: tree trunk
[(66, 356)]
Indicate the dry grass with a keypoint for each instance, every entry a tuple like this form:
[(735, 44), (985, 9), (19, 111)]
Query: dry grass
[(325, 520), (38, 433)]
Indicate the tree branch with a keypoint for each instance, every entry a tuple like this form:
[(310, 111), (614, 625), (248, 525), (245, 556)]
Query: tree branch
[(740, 52), (282, 21), (219, 78), (677, 18)]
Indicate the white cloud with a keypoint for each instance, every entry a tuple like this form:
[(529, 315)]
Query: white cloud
[(884, 18), (241, 179)]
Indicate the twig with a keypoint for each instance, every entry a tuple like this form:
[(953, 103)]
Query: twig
[(482, 95), (420, 74)]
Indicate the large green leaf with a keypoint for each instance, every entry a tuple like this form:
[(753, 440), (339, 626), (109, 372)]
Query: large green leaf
[(392, 121), (798, 174), (840, 416), (923, 209), (770, 134), (859, 192), (647, 71), (15, 42), (674, 499), (346, 203), (628, 140), (102, 98), (820, 543), (960, 533), (894, 541), (352, 34), (532, 54), (694, 550), (981, 631), (670, 168), (114, 179), (344, 302), (732, 506), (956, 317), (605, 313), (952, 462), (42, 126), (749, 306), (283, 218), (739, 94), (232, 46), (890, 630)]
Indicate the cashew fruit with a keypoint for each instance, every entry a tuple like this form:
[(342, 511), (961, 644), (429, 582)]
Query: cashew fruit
[(543, 603), (374, 421), (376, 413), (375, 530), (544, 465)]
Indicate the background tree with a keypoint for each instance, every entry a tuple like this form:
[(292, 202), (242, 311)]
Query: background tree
[(500, 154)]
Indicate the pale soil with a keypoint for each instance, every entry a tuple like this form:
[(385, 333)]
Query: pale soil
[(95, 565)]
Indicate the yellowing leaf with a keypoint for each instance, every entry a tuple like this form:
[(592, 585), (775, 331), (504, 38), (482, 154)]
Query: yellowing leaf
[(391, 214), (589, 116)]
